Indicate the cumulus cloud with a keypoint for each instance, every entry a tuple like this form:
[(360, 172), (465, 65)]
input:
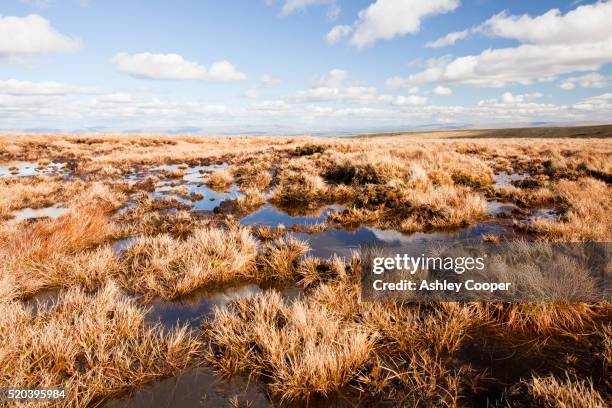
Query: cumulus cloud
[(552, 44), (525, 64), (293, 6), (589, 23), (333, 79), (448, 39), (267, 80), (592, 80), (173, 67), (387, 19), (337, 33), (442, 90), (333, 88), (30, 35), (16, 87)]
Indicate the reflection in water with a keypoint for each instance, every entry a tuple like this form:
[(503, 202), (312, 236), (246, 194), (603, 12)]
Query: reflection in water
[(211, 198), (272, 216), (195, 308), (500, 208), (545, 214), (504, 180), (43, 300), (25, 169), (196, 387), (341, 242), (30, 213)]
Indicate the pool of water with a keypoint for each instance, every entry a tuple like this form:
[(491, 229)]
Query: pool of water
[(500, 208), (46, 212), (193, 309), (195, 387), (342, 242), (211, 198), (545, 214), (42, 300), (25, 169), (504, 179), (272, 216)]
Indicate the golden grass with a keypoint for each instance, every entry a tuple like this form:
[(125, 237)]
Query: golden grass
[(302, 348), (162, 266), (219, 179), (588, 203), (93, 346), (328, 341), (550, 392), (36, 255)]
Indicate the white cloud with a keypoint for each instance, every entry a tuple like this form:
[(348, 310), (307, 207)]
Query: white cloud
[(553, 44), (173, 67), (602, 103), (360, 94), (448, 39), (251, 93), (293, 6), (267, 80), (592, 80), (409, 100), (442, 90), (386, 19), (15, 87), (337, 33), (333, 79), (525, 64), (589, 23), (30, 35)]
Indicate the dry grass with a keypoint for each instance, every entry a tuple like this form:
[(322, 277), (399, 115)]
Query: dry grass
[(588, 203), (302, 348), (550, 392), (327, 342), (93, 346), (219, 179), (165, 267), (46, 253)]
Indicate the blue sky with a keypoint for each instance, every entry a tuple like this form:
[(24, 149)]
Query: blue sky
[(302, 66)]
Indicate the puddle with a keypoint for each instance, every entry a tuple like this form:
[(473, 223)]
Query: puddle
[(195, 308), (504, 180), (47, 212), (195, 387), (544, 214), (341, 242), (500, 208), (121, 244), (211, 199), (42, 300), (25, 169), (271, 216)]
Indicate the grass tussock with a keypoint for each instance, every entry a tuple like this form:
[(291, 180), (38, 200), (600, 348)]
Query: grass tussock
[(46, 253), (163, 266), (219, 179), (550, 392), (588, 202), (94, 346), (302, 349)]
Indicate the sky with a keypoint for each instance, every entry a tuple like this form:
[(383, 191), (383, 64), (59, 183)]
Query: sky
[(302, 66)]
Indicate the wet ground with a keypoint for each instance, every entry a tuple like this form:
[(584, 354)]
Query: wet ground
[(199, 386), (195, 387), (25, 169)]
